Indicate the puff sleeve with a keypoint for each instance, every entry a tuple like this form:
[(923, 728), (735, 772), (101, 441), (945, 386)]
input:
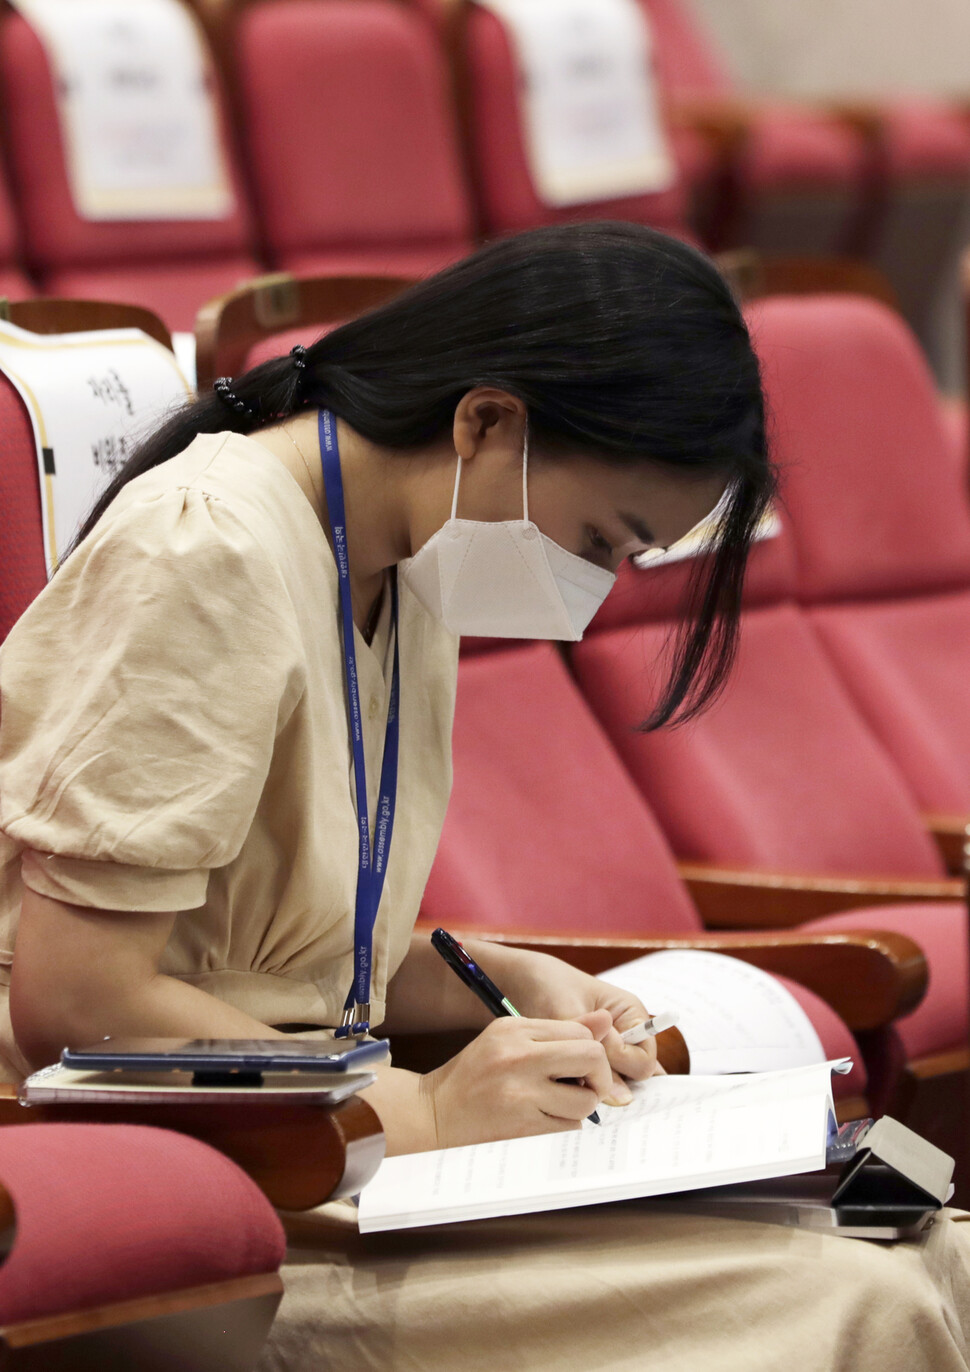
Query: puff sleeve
[(140, 699)]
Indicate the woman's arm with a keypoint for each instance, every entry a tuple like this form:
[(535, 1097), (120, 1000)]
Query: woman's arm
[(79, 974)]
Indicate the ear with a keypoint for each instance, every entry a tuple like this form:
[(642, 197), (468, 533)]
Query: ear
[(487, 417)]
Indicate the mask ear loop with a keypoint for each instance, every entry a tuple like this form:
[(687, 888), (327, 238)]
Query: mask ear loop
[(525, 480)]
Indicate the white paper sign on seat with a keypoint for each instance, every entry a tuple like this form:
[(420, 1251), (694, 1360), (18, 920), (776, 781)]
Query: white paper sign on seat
[(138, 118), (591, 114), (90, 396)]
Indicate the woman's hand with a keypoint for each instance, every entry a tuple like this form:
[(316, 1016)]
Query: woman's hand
[(548, 988), (519, 1077)]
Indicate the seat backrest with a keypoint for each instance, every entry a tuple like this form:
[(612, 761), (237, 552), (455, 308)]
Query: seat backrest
[(545, 831), (23, 572), (876, 505), (687, 60), (54, 235), (349, 127), (23, 568), (780, 774), (507, 196)]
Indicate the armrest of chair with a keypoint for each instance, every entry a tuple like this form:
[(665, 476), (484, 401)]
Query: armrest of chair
[(733, 898), (951, 835), (724, 122), (298, 1155), (868, 977)]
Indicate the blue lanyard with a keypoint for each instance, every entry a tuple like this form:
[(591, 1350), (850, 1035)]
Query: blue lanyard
[(372, 860)]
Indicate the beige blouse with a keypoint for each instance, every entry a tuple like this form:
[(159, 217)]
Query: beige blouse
[(173, 736)]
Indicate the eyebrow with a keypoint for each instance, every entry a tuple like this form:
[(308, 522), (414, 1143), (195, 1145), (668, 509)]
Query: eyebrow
[(637, 527)]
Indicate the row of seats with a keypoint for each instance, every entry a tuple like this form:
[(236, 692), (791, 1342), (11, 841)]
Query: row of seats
[(329, 178)]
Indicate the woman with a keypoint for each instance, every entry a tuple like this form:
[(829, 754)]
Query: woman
[(276, 570)]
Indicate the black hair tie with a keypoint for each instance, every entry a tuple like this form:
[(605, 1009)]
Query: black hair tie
[(223, 389), (298, 355)]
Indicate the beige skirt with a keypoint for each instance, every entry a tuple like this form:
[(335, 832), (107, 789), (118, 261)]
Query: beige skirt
[(619, 1287)]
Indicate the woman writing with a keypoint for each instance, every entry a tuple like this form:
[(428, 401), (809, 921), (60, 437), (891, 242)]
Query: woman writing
[(183, 788)]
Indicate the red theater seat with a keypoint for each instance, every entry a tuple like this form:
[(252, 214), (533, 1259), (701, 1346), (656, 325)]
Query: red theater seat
[(169, 267), (874, 178), (349, 135), (881, 528), (792, 176), (117, 1226), (546, 833), (781, 776), (508, 201)]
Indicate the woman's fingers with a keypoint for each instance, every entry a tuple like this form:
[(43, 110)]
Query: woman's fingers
[(637, 1061)]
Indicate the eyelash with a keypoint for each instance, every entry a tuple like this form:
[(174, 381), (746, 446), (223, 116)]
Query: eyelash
[(598, 542)]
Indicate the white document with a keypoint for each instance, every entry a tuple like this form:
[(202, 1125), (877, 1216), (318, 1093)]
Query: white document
[(138, 117), (591, 114), (679, 1134), (90, 396), (734, 1017)]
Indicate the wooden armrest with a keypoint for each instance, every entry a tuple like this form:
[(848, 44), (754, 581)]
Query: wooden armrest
[(868, 977), (725, 122), (299, 1155), (730, 898), (950, 833)]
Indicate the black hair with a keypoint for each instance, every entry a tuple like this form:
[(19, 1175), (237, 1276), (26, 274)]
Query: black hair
[(624, 344)]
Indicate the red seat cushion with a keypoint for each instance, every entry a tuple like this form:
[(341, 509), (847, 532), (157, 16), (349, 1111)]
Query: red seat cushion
[(383, 259), (349, 131), (507, 195), (925, 140), (789, 147), (23, 572), (545, 830), (836, 1039), (175, 291), (109, 1213), (781, 774), (940, 1023), (906, 663)]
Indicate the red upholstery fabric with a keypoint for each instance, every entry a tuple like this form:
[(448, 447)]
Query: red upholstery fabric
[(381, 259), (545, 831), (55, 237), (111, 1212), (906, 662), (23, 572), (794, 148), (508, 200), (175, 291), (14, 285), (837, 1041), (881, 525), (956, 421), (336, 167), (876, 504), (781, 774), (926, 140), (940, 1022)]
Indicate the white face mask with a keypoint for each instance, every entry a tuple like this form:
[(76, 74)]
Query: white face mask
[(505, 579)]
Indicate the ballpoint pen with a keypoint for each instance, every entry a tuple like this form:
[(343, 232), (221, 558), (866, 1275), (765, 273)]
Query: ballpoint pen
[(475, 979)]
